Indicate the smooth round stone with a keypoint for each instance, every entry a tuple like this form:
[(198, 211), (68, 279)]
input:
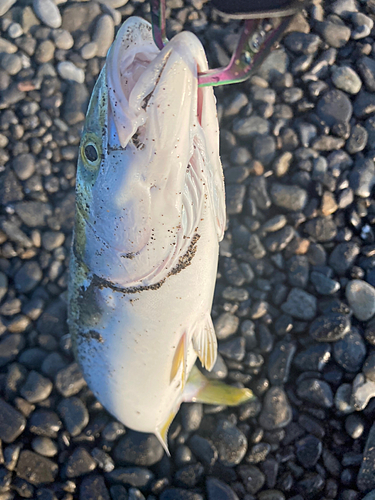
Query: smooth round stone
[(28, 276), (47, 12), (5, 5), (362, 177), (69, 71), (308, 451), (230, 443), (63, 39), (369, 367), (361, 297), (3, 285), (357, 140), (36, 388), (345, 78), (89, 50), (300, 304), (363, 25), (250, 126), (217, 490), (52, 240), (15, 30), (191, 416), (313, 358), (138, 449), (315, 391), (330, 327), (291, 198), (354, 426), (336, 35), (276, 411), (271, 495), (323, 284), (226, 325), (343, 257), (11, 63), (74, 414), (44, 446), (104, 34), (334, 107), (343, 399), (79, 463), (350, 352), (24, 166)]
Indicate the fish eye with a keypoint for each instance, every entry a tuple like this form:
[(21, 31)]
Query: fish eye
[(91, 153)]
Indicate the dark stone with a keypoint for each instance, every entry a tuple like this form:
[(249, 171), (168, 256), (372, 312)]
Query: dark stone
[(203, 449), (366, 475), (234, 195), (10, 347), (252, 478), (138, 449), (276, 411), (279, 362), (357, 140), (258, 193), (334, 107), (258, 453), (300, 304), (217, 490), (291, 198), (314, 358), (298, 271), (75, 103), (179, 494), (36, 469), (350, 352), (233, 349), (36, 388), (74, 414), (69, 380), (323, 284), (366, 67), (44, 423), (302, 43), (33, 213), (308, 451), (12, 422), (364, 104), (189, 475), (93, 488), (277, 241), (322, 229), (79, 463), (10, 188), (343, 257), (138, 477), (230, 443), (315, 391), (330, 327)]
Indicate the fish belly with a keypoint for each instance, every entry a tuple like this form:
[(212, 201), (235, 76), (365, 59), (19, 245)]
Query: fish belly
[(127, 353)]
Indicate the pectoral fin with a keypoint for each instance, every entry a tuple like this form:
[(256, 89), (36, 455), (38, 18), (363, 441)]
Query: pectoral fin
[(200, 389), (205, 343)]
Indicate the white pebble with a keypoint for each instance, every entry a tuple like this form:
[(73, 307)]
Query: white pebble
[(47, 12), (15, 30), (69, 71)]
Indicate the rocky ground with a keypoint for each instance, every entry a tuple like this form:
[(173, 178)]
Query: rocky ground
[(295, 298)]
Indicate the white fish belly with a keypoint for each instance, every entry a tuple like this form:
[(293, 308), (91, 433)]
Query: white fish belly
[(127, 357)]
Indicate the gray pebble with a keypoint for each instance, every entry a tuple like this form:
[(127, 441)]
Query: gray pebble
[(69, 71), (74, 415), (44, 446), (36, 388), (52, 240), (103, 35), (300, 304), (279, 362), (363, 25), (24, 166), (354, 426), (369, 367), (276, 410), (36, 469), (350, 352), (89, 50), (47, 12), (5, 5), (366, 475), (345, 78), (364, 104), (230, 443), (93, 487), (226, 325), (315, 391), (288, 197), (235, 195), (361, 297), (366, 68), (313, 358), (323, 284), (362, 178), (12, 422), (334, 107), (250, 127), (252, 478), (330, 328), (69, 380), (11, 63), (10, 347), (343, 257), (336, 35), (138, 477), (138, 449), (3, 285), (322, 229), (28, 276), (63, 39), (79, 463), (217, 490)]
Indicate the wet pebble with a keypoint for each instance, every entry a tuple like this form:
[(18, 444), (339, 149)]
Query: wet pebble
[(45, 423), (315, 391), (276, 411), (74, 415), (343, 256), (230, 443), (330, 327), (350, 351), (361, 298)]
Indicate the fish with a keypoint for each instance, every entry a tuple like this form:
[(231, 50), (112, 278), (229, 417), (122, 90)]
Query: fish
[(150, 213)]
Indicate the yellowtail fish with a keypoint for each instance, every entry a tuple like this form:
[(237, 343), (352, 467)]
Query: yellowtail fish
[(150, 212)]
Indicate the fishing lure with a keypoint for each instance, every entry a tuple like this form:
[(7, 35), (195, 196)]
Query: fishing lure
[(150, 213)]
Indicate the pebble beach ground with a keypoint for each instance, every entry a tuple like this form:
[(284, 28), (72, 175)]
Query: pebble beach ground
[(294, 305)]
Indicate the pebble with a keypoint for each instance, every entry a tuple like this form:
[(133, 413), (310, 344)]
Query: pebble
[(235, 195), (343, 257), (354, 426), (364, 104), (79, 463), (322, 229), (334, 107), (52, 240), (300, 304), (368, 368), (291, 198), (361, 298), (233, 349), (230, 443), (5, 5), (12, 422), (302, 43), (138, 477), (226, 325), (3, 285), (366, 475), (179, 494), (24, 166), (344, 400), (69, 71), (69, 380), (36, 469), (89, 50), (47, 12), (10, 347), (138, 449), (36, 388), (280, 361), (336, 35), (44, 446), (11, 63), (252, 478), (246, 128), (357, 140), (362, 178), (314, 358), (93, 487), (28, 277), (203, 449), (74, 415), (366, 68), (330, 327), (276, 411), (361, 392), (315, 391), (63, 39), (218, 490), (350, 351), (104, 34), (323, 284), (346, 79), (308, 451), (363, 25)]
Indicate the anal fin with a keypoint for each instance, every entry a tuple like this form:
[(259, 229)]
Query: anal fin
[(205, 343), (200, 389)]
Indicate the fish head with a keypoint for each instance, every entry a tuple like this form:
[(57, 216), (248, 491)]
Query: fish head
[(138, 206)]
